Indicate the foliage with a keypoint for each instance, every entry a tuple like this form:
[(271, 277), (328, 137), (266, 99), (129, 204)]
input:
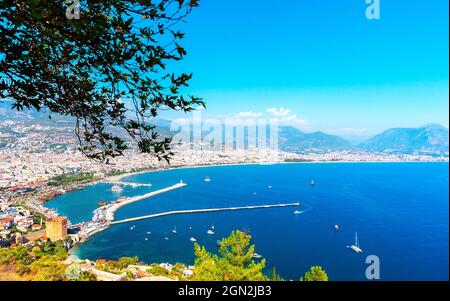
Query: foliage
[(75, 273), (275, 276), (72, 178), (52, 248), (117, 266), (315, 273), (124, 262), (234, 263), (43, 262), (116, 52), (48, 268), (157, 270), (87, 276)]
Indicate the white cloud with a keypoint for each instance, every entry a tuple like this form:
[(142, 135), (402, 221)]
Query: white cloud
[(292, 120), (248, 114), (279, 112), (287, 117)]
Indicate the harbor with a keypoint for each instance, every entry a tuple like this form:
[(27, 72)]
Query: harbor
[(104, 215)]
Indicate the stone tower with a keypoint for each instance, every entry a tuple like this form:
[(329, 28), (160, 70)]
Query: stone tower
[(56, 228)]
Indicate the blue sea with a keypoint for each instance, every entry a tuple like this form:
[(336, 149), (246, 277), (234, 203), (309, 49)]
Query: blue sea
[(399, 210)]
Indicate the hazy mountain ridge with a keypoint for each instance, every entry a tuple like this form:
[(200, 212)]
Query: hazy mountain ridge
[(432, 138), (294, 140)]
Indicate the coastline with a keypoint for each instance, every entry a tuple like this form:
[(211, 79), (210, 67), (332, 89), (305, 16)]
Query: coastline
[(129, 174), (117, 178), (120, 177)]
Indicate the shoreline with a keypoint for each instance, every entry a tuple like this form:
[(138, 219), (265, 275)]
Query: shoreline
[(117, 178), (120, 177)]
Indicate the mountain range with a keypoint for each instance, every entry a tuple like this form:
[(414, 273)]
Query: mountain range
[(432, 138), (429, 139)]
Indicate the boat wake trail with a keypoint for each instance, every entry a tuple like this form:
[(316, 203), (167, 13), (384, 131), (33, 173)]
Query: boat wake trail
[(304, 208)]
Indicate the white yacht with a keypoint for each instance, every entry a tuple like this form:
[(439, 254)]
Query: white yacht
[(207, 179), (174, 231), (210, 232), (336, 227), (355, 247), (192, 239), (116, 188), (256, 255)]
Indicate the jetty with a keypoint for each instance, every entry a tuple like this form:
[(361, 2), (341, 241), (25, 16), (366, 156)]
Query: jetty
[(201, 211), (132, 184), (108, 212)]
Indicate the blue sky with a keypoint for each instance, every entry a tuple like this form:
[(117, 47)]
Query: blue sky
[(322, 65)]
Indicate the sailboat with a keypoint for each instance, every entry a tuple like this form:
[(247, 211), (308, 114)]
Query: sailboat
[(355, 247)]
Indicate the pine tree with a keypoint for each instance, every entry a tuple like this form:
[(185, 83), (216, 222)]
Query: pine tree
[(234, 261), (315, 273)]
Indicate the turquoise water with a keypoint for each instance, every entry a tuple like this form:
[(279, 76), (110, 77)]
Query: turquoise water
[(400, 211)]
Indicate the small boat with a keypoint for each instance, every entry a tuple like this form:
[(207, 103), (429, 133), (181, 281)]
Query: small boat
[(312, 183), (256, 255), (190, 228), (336, 227), (174, 231), (101, 203), (270, 187), (297, 212), (355, 247), (116, 188), (149, 232), (146, 238), (192, 239), (219, 243), (210, 232), (166, 238), (212, 227), (207, 179)]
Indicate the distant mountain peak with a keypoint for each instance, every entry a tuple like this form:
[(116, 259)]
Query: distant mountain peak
[(431, 138), (432, 125)]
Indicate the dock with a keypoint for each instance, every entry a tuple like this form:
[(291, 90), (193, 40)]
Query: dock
[(201, 211), (111, 209), (132, 184)]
